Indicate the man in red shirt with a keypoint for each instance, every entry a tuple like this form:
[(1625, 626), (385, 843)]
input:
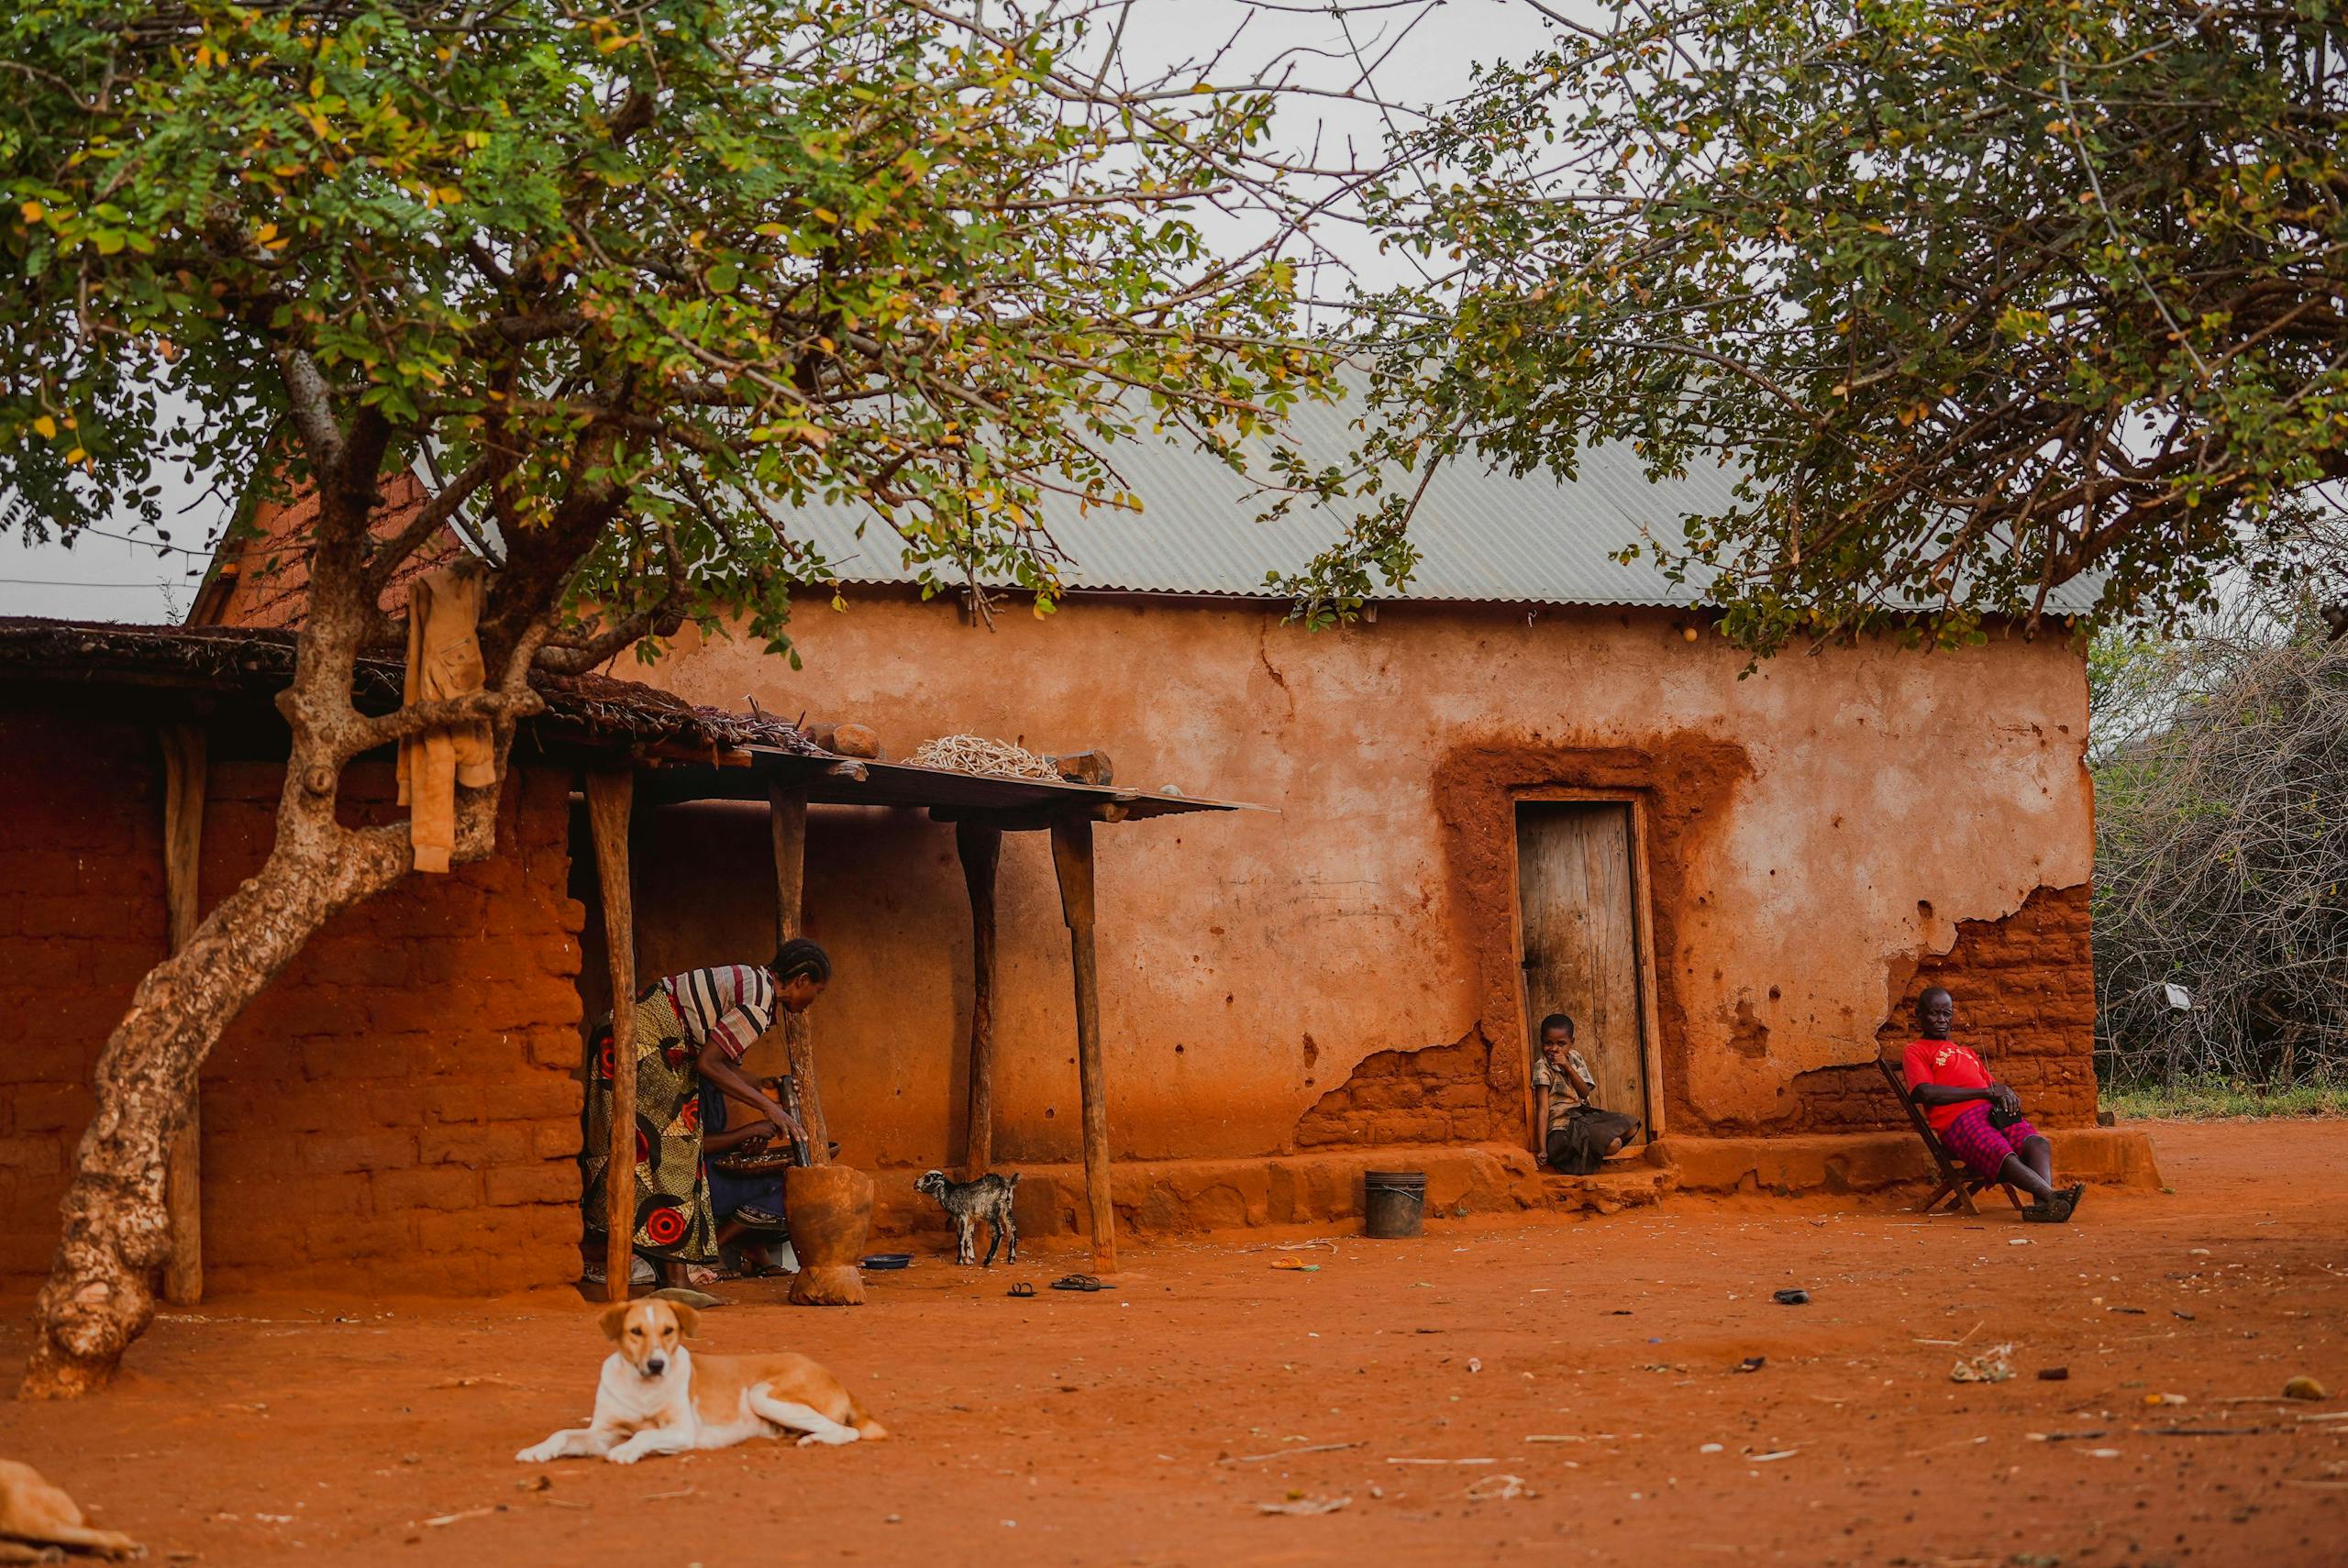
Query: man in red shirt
[(1978, 1118)]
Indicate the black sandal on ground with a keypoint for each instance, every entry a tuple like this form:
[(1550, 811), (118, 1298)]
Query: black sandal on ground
[(1022, 1290), (1083, 1282)]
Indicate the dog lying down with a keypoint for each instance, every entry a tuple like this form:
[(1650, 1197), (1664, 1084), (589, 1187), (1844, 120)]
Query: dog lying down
[(657, 1397), (37, 1517)]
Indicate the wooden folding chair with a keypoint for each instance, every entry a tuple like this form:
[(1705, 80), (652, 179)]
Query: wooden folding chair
[(1957, 1180)]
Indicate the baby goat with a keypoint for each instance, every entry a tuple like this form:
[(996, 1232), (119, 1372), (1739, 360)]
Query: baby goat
[(967, 1203)]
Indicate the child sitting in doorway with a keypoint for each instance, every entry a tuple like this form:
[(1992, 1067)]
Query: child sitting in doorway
[(1576, 1135)]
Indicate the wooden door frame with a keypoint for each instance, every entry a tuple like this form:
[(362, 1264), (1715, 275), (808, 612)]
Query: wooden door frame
[(1642, 928)]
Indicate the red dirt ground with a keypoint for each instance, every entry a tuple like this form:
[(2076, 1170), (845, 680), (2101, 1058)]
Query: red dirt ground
[(1144, 1425)]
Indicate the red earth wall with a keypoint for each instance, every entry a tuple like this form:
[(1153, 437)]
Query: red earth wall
[(396, 1111), (1268, 979), (2025, 1000)]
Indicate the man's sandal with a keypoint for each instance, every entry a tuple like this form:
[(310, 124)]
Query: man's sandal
[(1083, 1282), (2058, 1207), (1022, 1290)]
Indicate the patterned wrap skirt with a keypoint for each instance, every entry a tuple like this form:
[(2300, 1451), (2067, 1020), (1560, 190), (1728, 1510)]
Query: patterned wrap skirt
[(672, 1211)]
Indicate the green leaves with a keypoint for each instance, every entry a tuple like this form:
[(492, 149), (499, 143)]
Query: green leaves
[(659, 275), (1976, 300)]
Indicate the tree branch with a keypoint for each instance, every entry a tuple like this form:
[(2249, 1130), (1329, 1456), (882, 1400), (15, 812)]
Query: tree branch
[(392, 552), (312, 404), (403, 724)]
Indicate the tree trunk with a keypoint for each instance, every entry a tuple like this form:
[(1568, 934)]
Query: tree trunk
[(117, 1230)]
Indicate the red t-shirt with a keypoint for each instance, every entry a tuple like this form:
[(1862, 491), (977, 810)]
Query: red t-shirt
[(1945, 1062)]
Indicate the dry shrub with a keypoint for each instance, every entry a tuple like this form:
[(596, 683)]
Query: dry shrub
[(2222, 866)]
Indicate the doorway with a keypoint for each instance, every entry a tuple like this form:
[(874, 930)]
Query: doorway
[(1583, 914)]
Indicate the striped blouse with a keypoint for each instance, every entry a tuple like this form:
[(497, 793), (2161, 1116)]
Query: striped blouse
[(731, 1004)]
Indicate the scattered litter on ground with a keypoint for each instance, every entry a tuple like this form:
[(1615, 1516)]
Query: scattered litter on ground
[(2103, 1453), (439, 1521), (2305, 1387), (1298, 1265), (1292, 1246), (1310, 1448), (2053, 1375), (2180, 1312), (1766, 1458), (2019, 1242), (2207, 1431), (1714, 1448), (1791, 1297), (2165, 1399), (1443, 1462), (1992, 1365), (1304, 1506), (1751, 1363), (699, 1300), (535, 1484), (1475, 1364), (1498, 1489)]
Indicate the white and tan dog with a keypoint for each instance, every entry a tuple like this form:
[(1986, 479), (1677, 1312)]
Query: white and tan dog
[(657, 1397)]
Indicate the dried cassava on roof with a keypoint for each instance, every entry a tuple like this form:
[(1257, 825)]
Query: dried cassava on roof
[(976, 754)]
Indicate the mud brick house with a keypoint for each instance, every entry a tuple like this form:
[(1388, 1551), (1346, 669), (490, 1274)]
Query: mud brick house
[(400, 1106), (1538, 781)]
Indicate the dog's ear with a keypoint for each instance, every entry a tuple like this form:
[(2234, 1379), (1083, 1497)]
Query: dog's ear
[(612, 1319), (688, 1320)]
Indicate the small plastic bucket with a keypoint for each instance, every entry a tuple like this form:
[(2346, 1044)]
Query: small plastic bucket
[(1393, 1203)]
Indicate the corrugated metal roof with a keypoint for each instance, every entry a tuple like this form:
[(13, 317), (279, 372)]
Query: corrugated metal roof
[(1482, 534)]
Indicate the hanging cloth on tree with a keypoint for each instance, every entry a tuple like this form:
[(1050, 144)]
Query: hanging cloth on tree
[(443, 661)]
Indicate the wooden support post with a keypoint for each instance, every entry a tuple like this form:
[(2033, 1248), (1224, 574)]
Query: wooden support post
[(982, 850), (1072, 859), (787, 818), (610, 796), (183, 784)]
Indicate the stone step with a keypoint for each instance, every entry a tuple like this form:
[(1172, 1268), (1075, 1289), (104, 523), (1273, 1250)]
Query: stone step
[(1619, 1187)]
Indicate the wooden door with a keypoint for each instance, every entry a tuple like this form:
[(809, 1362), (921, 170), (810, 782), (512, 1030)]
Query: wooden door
[(1581, 938)]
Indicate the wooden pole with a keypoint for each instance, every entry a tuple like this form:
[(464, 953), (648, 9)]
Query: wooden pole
[(787, 819), (183, 787), (610, 796), (1072, 859), (981, 846)]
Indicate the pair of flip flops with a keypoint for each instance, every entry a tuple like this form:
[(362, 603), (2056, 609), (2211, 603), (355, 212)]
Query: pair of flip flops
[(1084, 1283)]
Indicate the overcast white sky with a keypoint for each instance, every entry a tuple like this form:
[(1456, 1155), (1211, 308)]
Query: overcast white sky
[(111, 579)]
